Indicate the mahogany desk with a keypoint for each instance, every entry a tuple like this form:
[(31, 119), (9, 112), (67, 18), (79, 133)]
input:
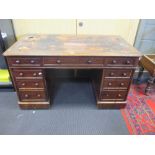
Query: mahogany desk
[(29, 57)]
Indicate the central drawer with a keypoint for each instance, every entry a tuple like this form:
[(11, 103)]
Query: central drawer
[(78, 61), (38, 95)]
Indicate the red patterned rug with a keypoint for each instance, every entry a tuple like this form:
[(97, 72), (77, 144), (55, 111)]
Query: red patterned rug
[(139, 114)]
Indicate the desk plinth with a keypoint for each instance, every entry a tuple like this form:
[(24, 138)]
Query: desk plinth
[(114, 59)]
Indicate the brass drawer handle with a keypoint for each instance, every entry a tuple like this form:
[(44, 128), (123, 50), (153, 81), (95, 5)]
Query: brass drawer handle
[(114, 61), (112, 74), (119, 95), (89, 61), (23, 84), (58, 61), (21, 74), (122, 84), (110, 84), (40, 73), (17, 61), (36, 84), (34, 74), (128, 62), (32, 61), (38, 95), (124, 74), (107, 95), (26, 95)]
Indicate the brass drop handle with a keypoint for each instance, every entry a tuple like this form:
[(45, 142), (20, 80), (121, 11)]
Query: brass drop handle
[(119, 95), (89, 61), (21, 74), (110, 84), (32, 61), (26, 95), (58, 61), (124, 74), (114, 61), (36, 84), (23, 84), (122, 84), (17, 61)]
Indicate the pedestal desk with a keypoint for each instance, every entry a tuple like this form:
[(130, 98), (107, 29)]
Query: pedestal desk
[(29, 58)]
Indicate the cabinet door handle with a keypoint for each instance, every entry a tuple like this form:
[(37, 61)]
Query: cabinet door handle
[(38, 95)]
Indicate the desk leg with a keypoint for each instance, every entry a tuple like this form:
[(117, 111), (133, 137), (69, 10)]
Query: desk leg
[(140, 74), (149, 85)]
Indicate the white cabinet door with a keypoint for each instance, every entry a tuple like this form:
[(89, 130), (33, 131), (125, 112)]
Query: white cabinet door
[(125, 28), (44, 26)]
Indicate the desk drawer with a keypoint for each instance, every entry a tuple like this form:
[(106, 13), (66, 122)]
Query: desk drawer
[(121, 61), (78, 61), (113, 95), (30, 84), (27, 73), (117, 73), (24, 61), (37, 95), (116, 83)]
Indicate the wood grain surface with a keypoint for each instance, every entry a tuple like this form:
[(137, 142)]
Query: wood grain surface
[(71, 45)]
